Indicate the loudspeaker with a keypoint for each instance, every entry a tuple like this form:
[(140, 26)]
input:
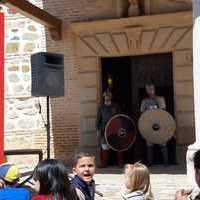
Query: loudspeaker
[(47, 74)]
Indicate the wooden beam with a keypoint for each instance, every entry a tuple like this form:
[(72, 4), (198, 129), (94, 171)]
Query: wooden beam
[(27, 9)]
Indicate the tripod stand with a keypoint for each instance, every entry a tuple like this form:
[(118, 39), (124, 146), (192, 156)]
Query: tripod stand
[(47, 125)]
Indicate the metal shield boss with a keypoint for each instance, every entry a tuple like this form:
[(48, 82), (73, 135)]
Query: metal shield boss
[(156, 126), (120, 132)]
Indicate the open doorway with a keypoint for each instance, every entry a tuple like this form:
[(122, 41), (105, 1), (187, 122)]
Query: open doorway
[(129, 76), (119, 70)]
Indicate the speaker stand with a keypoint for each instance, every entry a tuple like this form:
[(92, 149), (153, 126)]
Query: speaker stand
[(48, 129)]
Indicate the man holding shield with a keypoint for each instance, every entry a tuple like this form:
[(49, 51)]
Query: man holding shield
[(153, 102), (107, 110)]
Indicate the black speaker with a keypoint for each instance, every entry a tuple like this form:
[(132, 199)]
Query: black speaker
[(47, 74)]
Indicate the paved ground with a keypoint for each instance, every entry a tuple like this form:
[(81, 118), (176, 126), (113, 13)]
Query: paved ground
[(165, 182)]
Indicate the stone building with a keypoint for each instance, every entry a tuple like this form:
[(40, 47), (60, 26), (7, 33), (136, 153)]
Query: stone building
[(100, 39), (24, 127)]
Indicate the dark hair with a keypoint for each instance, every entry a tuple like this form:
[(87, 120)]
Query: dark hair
[(13, 183), (196, 160), (81, 155), (53, 178)]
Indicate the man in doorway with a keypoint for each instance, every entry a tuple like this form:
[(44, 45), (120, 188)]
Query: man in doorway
[(150, 103), (105, 112)]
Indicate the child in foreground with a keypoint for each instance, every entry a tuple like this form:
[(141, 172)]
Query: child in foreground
[(137, 182), (84, 169), (51, 181), (9, 177)]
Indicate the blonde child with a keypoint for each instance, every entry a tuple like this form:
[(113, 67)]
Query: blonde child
[(137, 182)]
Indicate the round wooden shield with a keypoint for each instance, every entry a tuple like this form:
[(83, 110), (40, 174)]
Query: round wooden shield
[(156, 126), (120, 132)]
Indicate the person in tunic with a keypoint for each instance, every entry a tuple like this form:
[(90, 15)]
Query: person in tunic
[(107, 110), (153, 102)]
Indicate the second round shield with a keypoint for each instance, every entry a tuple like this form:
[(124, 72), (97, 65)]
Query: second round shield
[(120, 132), (156, 126)]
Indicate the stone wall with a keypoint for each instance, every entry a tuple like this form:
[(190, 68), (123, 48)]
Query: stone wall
[(24, 126)]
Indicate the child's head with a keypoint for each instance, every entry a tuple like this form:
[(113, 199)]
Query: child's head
[(9, 173), (52, 178), (84, 166), (137, 177)]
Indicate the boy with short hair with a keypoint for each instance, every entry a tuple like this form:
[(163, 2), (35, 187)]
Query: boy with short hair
[(9, 176), (84, 170)]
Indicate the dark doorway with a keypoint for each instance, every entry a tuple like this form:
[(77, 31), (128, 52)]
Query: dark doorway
[(119, 70), (129, 76), (156, 68)]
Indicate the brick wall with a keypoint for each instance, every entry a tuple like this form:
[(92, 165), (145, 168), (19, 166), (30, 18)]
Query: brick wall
[(24, 126), (86, 10), (65, 111)]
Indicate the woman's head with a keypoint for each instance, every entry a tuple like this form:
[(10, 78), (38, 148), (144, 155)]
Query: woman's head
[(52, 178), (137, 177)]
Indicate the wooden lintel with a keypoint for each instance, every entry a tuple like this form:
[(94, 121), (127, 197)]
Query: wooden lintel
[(178, 19), (27, 9)]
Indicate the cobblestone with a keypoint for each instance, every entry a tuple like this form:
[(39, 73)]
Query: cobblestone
[(165, 181)]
